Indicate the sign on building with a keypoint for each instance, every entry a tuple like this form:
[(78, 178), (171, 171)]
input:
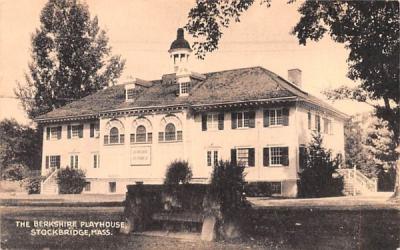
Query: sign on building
[(141, 155)]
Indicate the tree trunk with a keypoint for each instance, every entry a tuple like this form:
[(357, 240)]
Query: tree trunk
[(396, 194)]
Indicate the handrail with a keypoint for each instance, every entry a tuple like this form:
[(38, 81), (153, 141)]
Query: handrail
[(49, 175), (363, 181)]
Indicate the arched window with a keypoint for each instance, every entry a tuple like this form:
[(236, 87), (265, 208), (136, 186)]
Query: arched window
[(114, 134), (141, 134), (170, 132)]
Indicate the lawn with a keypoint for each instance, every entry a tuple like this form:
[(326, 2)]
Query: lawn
[(270, 228)]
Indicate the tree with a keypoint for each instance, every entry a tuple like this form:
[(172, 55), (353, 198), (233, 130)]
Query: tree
[(19, 144), (317, 178), (369, 30), (70, 58)]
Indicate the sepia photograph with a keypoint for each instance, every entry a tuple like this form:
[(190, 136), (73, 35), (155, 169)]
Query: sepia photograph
[(200, 124)]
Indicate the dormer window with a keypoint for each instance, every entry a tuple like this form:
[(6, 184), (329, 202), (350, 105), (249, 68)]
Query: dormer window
[(184, 88), (130, 92)]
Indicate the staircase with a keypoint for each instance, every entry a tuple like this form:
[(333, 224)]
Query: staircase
[(49, 185), (356, 183)]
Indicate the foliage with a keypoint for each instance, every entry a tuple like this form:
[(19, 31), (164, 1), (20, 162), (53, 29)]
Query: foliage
[(70, 180), (178, 172), (15, 172), (227, 188), (70, 58), (19, 144), (317, 179), (32, 184)]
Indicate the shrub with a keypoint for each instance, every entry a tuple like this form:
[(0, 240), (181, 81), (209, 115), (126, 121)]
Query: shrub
[(32, 184), (178, 172), (70, 181), (317, 179), (15, 172), (227, 188)]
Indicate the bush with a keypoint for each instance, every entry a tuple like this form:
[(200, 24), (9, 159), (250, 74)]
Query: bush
[(178, 172), (227, 188), (32, 184), (15, 172), (318, 177), (70, 181)]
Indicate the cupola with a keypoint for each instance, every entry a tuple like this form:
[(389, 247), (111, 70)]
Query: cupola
[(179, 52)]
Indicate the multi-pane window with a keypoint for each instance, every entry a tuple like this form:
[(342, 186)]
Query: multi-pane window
[(130, 94), (212, 158), (276, 188), (96, 160), (55, 161), (243, 156), (141, 134), (55, 133), (276, 156), (185, 87), (243, 119), (327, 126), (87, 186), (170, 132), (94, 130), (114, 135), (275, 117), (75, 131), (112, 187), (212, 121), (74, 161)]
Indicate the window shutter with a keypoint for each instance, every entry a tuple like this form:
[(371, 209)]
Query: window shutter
[(160, 136), (302, 157), (266, 118), (71, 161), (69, 131), (285, 156), (47, 162), (309, 119), (91, 129), (251, 159), (221, 121), (106, 139), (265, 156), (233, 156), (81, 131), (285, 116), (203, 122), (252, 119), (59, 128), (234, 120), (48, 133)]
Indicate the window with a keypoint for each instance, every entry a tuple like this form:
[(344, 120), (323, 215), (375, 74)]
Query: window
[(244, 119), (75, 131), (212, 158), (53, 161), (317, 123), (74, 161), (114, 134), (243, 156), (94, 130), (276, 156), (185, 87), (327, 126), (276, 188), (276, 117), (212, 121), (54, 133), (130, 94), (170, 132), (87, 186), (141, 134), (96, 160), (112, 186)]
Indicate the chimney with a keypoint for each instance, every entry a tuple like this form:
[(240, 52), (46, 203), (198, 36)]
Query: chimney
[(294, 76)]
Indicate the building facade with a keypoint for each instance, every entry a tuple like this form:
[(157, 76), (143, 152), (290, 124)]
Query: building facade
[(130, 133)]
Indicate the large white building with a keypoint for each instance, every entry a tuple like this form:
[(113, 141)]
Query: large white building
[(129, 133)]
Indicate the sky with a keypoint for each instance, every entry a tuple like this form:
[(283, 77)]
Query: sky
[(141, 32)]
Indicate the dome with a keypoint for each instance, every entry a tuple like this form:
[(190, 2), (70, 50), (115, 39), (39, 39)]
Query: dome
[(180, 42)]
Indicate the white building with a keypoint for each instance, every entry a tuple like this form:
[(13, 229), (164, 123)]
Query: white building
[(130, 133)]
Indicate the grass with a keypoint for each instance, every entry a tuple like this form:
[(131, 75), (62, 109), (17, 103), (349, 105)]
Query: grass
[(269, 228)]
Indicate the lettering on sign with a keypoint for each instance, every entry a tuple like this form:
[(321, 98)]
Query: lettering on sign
[(141, 155)]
